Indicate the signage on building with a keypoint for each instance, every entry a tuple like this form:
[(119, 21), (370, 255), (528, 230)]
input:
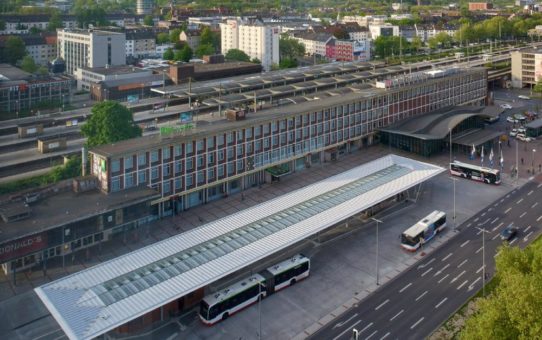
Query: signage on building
[(54, 145), (174, 130), (185, 117), (132, 98), (157, 83), (21, 247)]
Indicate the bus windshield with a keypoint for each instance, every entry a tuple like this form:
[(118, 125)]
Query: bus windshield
[(203, 309), (409, 241)]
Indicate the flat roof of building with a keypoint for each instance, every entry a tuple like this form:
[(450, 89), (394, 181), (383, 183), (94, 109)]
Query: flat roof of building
[(112, 70), (91, 302), (535, 124), (476, 137), (67, 207)]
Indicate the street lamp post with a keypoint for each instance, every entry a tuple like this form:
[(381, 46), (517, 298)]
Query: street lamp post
[(454, 216), (517, 161), (450, 130), (532, 160), (377, 270), (484, 231), (259, 311)]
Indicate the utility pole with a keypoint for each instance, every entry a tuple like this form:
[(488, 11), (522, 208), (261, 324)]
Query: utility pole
[(377, 269)]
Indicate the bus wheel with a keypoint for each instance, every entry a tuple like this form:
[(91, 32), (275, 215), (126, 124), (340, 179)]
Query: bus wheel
[(225, 316), (292, 282)]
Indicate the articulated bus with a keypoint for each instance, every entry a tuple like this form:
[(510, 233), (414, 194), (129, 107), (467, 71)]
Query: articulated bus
[(423, 231), (222, 304), (474, 172)]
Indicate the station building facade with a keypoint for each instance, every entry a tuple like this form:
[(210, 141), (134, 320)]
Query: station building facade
[(221, 158)]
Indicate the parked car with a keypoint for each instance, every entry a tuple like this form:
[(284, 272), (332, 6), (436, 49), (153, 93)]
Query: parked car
[(513, 133), (509, 233), (506, 106), (522, 130), (523, 138), (520, 117), (511, 119), (524, 97)]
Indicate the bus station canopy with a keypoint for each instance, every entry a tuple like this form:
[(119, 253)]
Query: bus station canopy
[(93, 301)]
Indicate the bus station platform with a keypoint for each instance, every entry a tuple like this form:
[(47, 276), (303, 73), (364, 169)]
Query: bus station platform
[(94, 301)]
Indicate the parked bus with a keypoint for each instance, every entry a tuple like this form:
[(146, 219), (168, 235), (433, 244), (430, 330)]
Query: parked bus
[(222, 304), (423, 231), (474, 172)]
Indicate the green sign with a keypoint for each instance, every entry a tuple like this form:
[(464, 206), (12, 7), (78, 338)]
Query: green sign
[(171, 130)]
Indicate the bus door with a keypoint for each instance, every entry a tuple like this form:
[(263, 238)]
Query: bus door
[(428, 232), (269, 281)]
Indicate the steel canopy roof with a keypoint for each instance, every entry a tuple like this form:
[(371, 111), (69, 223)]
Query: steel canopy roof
[(93, 301)]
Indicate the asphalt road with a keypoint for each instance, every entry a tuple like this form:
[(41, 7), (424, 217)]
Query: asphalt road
[(414, 304)]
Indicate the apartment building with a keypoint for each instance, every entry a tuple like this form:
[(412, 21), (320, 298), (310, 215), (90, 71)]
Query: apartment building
[(256, 39), (315, 43), (144, 7), (480, 6), (197, 166), (41, 47), (91, 48), (526, 67), (86, 76), (140, 43), (385, 29), (191, 37)]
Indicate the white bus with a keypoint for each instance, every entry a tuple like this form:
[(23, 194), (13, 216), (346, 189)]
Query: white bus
[(222, 304), (475, 172), (423, 231)]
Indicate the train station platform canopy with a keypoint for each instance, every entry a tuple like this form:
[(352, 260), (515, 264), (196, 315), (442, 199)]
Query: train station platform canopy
[(93, 301)]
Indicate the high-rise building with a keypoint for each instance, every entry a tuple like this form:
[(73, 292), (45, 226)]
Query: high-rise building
[(526, 67), (91, 48), (256, 39), (144, 6)]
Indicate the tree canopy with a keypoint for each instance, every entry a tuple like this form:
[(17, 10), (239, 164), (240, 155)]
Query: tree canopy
[(184, 54), (204, 49), (210, 38), (162, 38), (14, 50), (148, 21), (174, 35), (168, 54), (55, 21), (236, 55), (290, 48), (110, 122), (28, 64), (512, 311), (386, 46)]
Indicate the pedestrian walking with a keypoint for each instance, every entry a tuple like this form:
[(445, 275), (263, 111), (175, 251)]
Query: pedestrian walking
[(521, 160)]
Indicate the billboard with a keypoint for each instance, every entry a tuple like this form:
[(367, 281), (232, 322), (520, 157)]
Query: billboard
[(132, 98), (185, 117), (22, 247)]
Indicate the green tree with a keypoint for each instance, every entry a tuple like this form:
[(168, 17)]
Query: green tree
[(147, 21), (184, 54), (512, 311), (236, 55), (209, 37), (162, 38), (110, 122), (416, 43), (55, 21), (14, 49), (538, 87), (174, 35), (168, 54), (288, 63), (88, 12), (28, 64), (290, 48), (2, 25), (255, 61), (386, 46), (441, 40), (204, 49)]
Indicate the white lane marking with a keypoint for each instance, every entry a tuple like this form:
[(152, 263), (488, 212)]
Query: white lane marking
[(497, 227), (474, 282), (527, 229), (441, 270), (479, 249), (507, 210), (385, 336), (416, 323), (496, 204), (405, 287), (498, 253), (534, 205), (447, 256), (369, 325), (427, 271), (458, 276), (464, 243), (347, 330), (462, 263), (468, 225), (441, 302), (423, 294), (476, 219), (488, 210), (524, 213), (480, 231), (480, 269), (529, 193), (171, 337), (426, 264), (494, 237), (443, 278), (538, 219), (527, 237), (382, 304), (507, 196), (396, 315), (340, 324), (484, 214), (373, 333), (461, 285), (502, 200), (495, 220), (539, 185), (520, 200), (514, 240)]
